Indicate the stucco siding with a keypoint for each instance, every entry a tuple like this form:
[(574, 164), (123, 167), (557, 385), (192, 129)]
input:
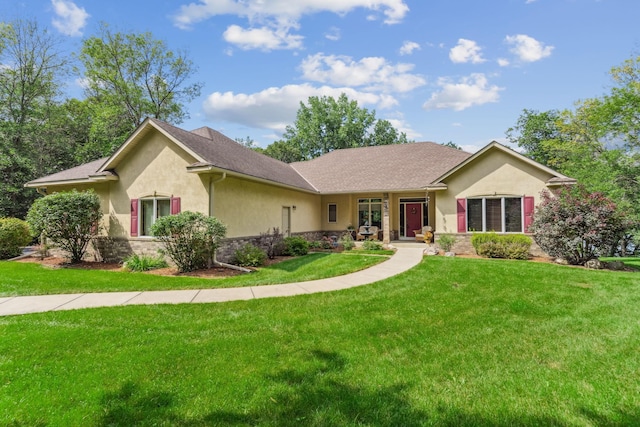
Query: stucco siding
[(493, 174), (249, 208), (155, 168), (346, 212)]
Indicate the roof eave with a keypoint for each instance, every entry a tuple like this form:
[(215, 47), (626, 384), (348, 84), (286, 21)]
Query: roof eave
[(207, 169)]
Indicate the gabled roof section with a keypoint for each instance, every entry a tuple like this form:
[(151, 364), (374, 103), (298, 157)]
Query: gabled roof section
[(86, 173), (213, 149), (557, 177), (410, 166)]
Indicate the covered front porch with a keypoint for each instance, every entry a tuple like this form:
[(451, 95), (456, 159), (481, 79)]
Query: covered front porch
[(393, 216)]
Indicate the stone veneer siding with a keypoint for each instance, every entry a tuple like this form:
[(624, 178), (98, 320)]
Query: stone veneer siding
[(463, 244), (108, 249)]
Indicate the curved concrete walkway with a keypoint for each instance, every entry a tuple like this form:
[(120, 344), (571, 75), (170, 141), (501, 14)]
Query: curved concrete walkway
[(406, 257)]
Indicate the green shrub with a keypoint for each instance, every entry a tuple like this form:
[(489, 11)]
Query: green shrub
[(272, 242), (69, 219), (371, 245), (249, 256), (493, 245), (190, 239), (446, 242), (296, 246), (14, 234), (144, 262), (347, 241)]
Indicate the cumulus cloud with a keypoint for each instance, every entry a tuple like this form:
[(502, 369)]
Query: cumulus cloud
[(503, 62), (408, 47), (275, 18), (276, 107), (467, 92), (528, 49), (466, 51), (262, 38), (70, 19), (370, 73)]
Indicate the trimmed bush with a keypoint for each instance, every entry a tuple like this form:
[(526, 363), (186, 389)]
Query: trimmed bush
[(69, 219), (14, 234), (249, 256), (510, 246), (144, 262), (296, 246), (347, 241), (446, 242), (371, 245), (190, 239)]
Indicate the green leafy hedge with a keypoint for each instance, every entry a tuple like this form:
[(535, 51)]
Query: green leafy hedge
[(14, 233), (510, 246)]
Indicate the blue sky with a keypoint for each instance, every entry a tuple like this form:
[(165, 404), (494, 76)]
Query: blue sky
[(454, 70)]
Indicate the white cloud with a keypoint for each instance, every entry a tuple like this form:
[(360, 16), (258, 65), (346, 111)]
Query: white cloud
[(333, 34), (402, 126), (503, 62), (255, 10), (70, 19), (262, 38), (370, 73), (408, 47), (277, 17), (276, 107), (528, 49), (466, 51), (467, 92)]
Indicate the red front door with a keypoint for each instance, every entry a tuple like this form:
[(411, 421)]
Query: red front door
[(413, 218)]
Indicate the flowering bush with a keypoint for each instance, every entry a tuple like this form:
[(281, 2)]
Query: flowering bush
[(577, 225)]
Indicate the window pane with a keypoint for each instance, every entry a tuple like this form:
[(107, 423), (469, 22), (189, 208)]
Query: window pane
[(494, 215), (376, 214), (164, 208), (513, 214), (474, 215), (147, 217), (333, 212), (363, 214)]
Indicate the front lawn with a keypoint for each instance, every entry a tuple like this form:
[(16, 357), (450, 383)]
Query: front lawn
[(18, 278), (456, 342)]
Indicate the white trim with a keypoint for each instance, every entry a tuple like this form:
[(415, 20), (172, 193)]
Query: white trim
[(154, 212), (503, 217)]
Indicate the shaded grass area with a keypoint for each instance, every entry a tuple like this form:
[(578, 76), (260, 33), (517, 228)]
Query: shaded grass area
[(631, 262), (462, 342), (18, 278)]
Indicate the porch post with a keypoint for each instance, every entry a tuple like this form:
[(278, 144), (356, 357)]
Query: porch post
[(386, 233)]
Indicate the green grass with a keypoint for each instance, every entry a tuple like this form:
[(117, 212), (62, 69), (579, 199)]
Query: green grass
[(17, 278), (455, 342), (631, 262)]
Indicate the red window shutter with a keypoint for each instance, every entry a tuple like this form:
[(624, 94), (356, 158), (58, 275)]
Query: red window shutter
[(175, 205), (134, 217), (529, 207), (462, 215)]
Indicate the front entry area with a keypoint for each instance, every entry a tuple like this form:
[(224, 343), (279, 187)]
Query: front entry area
[(414, 213)]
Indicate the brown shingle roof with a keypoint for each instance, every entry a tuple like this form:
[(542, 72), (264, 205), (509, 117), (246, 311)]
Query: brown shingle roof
[(222, 152), (380, 168), (79, 173)]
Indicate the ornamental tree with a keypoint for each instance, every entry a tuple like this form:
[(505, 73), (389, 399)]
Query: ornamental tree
[(69, 219), (577, 225), (190, 239)]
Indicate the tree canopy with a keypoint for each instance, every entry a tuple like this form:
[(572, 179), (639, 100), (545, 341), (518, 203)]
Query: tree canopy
[(325, 124), (598, 142), (128, 77)]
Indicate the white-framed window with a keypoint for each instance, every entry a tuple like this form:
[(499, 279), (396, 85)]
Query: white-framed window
[(499, 214), (370, 212), (150, 210), (332, 214), (146, 210)]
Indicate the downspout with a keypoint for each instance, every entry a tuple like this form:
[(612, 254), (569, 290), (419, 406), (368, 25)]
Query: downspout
[(211, 186)]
